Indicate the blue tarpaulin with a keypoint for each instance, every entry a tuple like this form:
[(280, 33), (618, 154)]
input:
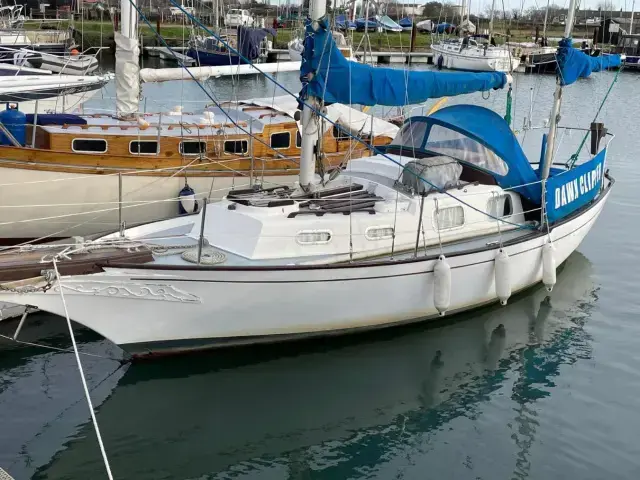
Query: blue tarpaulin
[(572, 189), (249, 40), (338, 80), (574, 64)]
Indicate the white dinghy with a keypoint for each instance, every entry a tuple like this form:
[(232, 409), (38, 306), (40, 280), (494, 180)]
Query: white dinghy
[(449, 217)]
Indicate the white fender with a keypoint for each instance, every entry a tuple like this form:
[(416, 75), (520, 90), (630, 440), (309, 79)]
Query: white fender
[(548, 266), (502, 277), (188, 202), (442, 285)]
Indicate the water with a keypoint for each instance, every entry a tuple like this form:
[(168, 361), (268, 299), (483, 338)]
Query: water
[(541, 389)]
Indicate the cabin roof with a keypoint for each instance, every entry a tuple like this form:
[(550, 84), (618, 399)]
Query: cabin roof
[(212, 121)]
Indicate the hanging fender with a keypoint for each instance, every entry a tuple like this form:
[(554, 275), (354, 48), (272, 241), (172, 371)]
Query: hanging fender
[(548, 266), (187, 203), (442, 285), (502, 277)]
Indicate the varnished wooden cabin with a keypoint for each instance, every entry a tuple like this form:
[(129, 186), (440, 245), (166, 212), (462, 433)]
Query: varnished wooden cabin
[(243, 139)]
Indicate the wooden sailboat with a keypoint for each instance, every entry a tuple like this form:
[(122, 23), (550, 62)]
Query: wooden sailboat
[(91, 164)]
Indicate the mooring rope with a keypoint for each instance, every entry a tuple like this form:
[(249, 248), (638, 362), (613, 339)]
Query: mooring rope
[(84, 381)]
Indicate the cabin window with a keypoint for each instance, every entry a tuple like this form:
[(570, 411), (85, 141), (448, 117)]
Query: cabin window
[(378, 233), (144, 147), (411, 134), (313, 237), (340, 133), (298, 139), (89, 145), (236, 146), (193, 147), (445, 141), (280, 140), (500, 206), (449, 217)]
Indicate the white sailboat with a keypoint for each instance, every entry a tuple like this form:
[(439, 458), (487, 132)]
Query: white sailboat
[(449, 217), (466, 53)]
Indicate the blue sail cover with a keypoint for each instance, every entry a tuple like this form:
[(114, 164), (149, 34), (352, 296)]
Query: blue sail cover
[(326, 74), (574, 64)]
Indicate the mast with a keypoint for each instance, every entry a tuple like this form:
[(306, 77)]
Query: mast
[(127, 61), (555, 110), (317, 10), (493, 8), (462, 15), (546, 16), (633, 6)]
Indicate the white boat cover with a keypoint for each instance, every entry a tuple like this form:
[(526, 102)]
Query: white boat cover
[(355, 121), (203, 73), (127, 75)]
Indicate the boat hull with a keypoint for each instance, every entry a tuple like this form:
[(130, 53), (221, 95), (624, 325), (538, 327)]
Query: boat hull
[(39, 203), (214, 59), (474, 60), (157, 310)]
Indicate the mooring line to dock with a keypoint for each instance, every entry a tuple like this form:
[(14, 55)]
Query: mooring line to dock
[(64, 350), (84, 381)]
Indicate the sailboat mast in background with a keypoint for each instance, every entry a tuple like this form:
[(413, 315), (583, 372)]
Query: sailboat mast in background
[(127, 61)]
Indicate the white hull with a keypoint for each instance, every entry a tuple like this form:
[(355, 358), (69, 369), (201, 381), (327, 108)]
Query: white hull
[(179, 308), (69, 65), (88, 204), (475, 59), (294, 55)]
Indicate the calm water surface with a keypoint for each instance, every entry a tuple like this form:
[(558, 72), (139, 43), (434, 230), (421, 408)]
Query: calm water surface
[(544, 388)]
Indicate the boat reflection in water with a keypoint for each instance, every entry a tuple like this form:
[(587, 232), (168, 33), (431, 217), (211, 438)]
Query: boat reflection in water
[(335, 408)]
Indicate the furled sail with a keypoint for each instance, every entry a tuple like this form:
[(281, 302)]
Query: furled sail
[(326, 74), (574, 64)]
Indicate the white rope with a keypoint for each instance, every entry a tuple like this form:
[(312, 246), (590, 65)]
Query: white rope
[(84, 381)]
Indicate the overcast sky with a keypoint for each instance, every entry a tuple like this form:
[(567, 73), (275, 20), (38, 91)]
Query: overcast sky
[(481, 5)]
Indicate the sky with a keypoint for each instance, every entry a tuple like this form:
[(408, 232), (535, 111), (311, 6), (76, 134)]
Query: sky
[(481, 5)]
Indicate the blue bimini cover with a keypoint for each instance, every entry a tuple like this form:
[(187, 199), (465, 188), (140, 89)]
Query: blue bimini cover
[(490, 130), (574, 64), (326, 74), (572, 189)]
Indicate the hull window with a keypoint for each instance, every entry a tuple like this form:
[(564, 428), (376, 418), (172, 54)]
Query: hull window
[(449, 217), (236, 146), (313, 237), (281, 140), (144, 147), (89, 145), (193, 148)]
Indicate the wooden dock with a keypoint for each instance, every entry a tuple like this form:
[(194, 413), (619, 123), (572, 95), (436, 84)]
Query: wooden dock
[(384, 58), (170, 55)]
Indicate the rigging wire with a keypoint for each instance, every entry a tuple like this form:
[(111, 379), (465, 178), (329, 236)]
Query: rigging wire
[(319, 112)]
